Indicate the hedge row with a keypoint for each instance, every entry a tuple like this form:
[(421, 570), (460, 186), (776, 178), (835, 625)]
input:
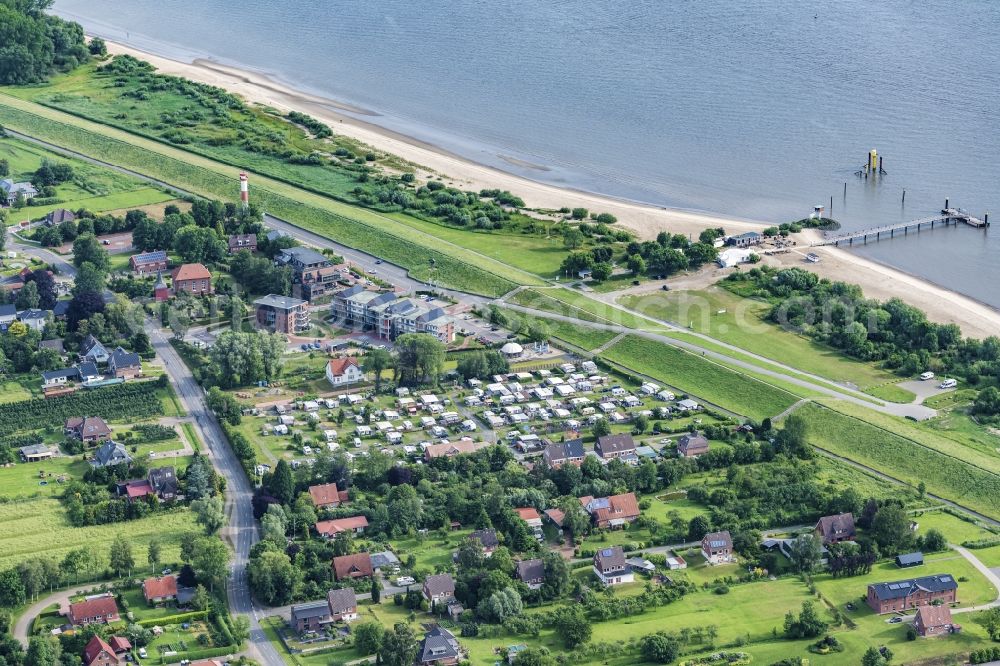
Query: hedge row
[(174, 619)]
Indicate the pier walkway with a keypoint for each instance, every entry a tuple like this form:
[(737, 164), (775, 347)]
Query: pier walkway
[(946, 217)]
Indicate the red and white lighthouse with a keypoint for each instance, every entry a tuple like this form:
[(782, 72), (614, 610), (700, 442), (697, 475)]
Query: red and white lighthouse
[(244, 189)]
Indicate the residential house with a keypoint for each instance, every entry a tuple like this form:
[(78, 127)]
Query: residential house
[(194, 279), (35, 453), (135, 489), (692, 445), (934, 621), (55, 345), (907, 560), (343, 605), (148, 263), (439, 648), (282, 314), (611, 512), (58, 216), (92, 350), (124, 365), (717, 548), (99, 653), (160, 590), (531, 516), (488, 539), (312, 616), (439, 589), (9, 192), (100, 609), (349, 567), (344, 371), (239, 242), (327, 496), (911, 593), (87, 429), (452, 449), (611, 568), (307, 274), (55, 378), (8, 315), (615, 446), (834, 529), (120, 645), (331, 528), (385, 559), (558, 454), (747, 239), (34, 319), (110, 453), (734, 257), (61, 310), (531, 573), (163, 480), (88, 372)]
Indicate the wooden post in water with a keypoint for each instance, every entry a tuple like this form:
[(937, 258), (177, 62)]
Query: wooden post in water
[(904, 197), (831, 206), (845, 189)]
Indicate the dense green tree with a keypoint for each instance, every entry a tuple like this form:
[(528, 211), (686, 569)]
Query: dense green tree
[(806, 553), (45, 285), (368, 637), (572, 626), (659, 648), (399, 646), (419, 359), (87, 249), (27, 297), (33, 45), (154, 553), (891, 529), (377, 361), (209, 558), (210, 513), (122, 560), (273, 578), (987, 403), (43, 651), (281, 483)]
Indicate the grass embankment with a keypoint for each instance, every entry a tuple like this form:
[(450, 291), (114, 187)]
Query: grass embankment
[(709, 381), (363, 229), (743, 322), (905, 453)]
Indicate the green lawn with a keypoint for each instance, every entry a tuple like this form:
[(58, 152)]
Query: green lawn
[(699, 377), (13, 391), (954, 529), (38, 528), (742, 322), (579, 335), (25, 479)]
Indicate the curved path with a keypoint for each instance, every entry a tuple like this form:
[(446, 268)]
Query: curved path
[(986, 571)]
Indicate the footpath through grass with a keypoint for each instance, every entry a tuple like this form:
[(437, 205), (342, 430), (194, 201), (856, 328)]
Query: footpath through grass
[(893, 446), (363, 229)]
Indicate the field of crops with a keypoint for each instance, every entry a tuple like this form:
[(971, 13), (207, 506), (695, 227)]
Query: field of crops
[(136, 401), (38, 527), (367, 230), (701, 378), (946, 475)]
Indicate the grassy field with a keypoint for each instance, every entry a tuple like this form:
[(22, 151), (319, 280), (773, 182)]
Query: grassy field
[(951, 476), (38, 528), (365, 229), (741, 322), (578, 335), (706, 380)]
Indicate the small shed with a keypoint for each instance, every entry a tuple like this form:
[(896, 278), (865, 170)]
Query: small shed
[(909, 560)]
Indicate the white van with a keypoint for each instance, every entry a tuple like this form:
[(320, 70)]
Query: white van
[(948, 383), (927, 375)]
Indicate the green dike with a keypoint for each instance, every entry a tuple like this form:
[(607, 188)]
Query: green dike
[(365, 230), (839, 429), (736, 392)]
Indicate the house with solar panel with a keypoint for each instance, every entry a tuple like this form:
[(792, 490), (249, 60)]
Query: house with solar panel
[(717, 548), (148, 263), (903, 595), (611, 568)]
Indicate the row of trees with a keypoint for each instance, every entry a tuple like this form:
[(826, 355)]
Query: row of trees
[(34, 45)]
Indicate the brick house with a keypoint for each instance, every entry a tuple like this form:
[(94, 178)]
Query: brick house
[(97, 610), (124, 365), (934, 621), (239, 242), (692, 445), (194, 279), (611, 568), (148, 263), (439, 648), (615, 446), (311, 616), (159, 590), (99, 653), (327, 496), (164, 482), (558, 454), (331, 528), (614, 511), (350, 567), (343, 605), (282, 314), (717, 548), (834, 529), (906, 594), (87, 429)]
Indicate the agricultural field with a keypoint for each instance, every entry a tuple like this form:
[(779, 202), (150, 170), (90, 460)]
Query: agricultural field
[(947, 471), (709, 381), (38, 528), (742, 322), (93, 187)]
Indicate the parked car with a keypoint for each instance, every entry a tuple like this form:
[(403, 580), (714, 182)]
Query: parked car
[(403, 581), (927, 375)]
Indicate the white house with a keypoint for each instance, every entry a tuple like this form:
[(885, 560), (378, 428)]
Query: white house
[(342, 371)]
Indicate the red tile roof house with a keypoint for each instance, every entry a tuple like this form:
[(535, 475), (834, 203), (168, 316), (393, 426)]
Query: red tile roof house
[(99, 653), (935, 621), (341, 371), (611, 568), (531, 516), (834, 529), (99, 610), (87, 429), (136, 489), (195, 279), (614, 446), (614, 511), (349, 567), (439, 589), (912, 593), (717, 548), (327, 496), (331, 528), (343, 605), (120, 644), (159, 590)]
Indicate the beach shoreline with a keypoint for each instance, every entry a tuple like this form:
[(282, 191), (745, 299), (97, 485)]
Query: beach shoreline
[(878, 280)]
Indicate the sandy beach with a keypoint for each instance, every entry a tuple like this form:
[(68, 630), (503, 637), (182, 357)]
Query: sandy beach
[(878, 281)]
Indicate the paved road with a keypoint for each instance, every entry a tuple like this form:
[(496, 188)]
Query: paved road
[(241, 530), (986, 571)]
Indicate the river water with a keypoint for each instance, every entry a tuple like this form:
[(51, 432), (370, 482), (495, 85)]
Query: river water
[(758, 109)]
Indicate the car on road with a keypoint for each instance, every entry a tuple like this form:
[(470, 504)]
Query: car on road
[(378, 261), (304, 346), (372, 271), (895, 619), (403, 581), (142, 653)]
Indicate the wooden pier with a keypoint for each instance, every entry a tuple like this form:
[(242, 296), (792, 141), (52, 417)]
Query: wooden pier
[(947, 217)]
